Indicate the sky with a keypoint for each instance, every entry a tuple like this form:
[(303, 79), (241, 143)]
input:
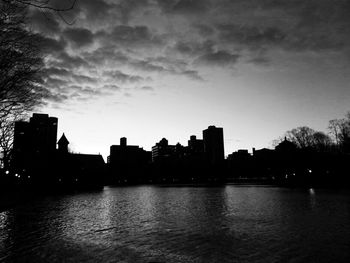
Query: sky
[(148, 69)]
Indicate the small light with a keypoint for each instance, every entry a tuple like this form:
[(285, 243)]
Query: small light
[(310, 171), (7, 172)]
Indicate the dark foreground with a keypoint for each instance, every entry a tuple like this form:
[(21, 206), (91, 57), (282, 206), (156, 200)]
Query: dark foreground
[(180, 224)]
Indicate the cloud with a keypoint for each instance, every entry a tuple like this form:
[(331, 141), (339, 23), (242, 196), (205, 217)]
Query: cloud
[(83, 91), (135, 41), (57, 72), (259, 60), (111, 87), (119, 76), (96, 9), (249, 36), (56, 83), (79, 37), (126, 8), (84, 79), (193, 48), (184, 7), (50, 95), (64, 60), (147, 66), (51, 46), (130, 36), (218, 58), (147, 88), (192, 74), (44, 22)]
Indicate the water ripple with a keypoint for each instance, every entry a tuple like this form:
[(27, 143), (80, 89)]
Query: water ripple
[(154, 224)]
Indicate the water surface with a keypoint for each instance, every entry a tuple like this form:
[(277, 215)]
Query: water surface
[(180, 224)]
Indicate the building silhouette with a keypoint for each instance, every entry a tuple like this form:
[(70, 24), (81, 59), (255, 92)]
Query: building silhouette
[(63, 144), (34, 142), (195, 146), (76, 170), (127, 162), (213, 139), (37, 160), (162, 151)]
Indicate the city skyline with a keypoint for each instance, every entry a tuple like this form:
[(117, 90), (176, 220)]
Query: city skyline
[(170, 68)]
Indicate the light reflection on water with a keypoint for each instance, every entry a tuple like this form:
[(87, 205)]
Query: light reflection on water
[(180, 224)]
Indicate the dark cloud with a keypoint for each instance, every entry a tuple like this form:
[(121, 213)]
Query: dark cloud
[(79, 37), (56, 97), (184, 7), (204, 30), (261, 61), (147, 66), (90, 10), (51, 46), (83, 91), (249, 36), (85, 79), (58, 72), (111, 87), (64, 60), (104, 54), (131, 36), (194, 48), (146, 88), (57, 83), (142, 38), (126, 8), (44, 22), (218, 58), (119, 76), (192, 74), (96, 9)]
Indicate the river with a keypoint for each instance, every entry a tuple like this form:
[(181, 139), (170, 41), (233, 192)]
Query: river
[(180, 224)]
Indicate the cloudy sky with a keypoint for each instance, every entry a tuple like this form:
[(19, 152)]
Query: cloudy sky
[(148, 69)]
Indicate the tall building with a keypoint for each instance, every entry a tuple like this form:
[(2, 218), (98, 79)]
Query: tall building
[(34, 140), (213, 139), (43, 132), (162, 150)]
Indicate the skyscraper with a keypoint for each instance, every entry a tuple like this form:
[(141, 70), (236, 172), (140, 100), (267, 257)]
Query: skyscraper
[(213, 139)]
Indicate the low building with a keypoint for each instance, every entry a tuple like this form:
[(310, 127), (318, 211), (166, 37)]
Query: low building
[(127, 162)]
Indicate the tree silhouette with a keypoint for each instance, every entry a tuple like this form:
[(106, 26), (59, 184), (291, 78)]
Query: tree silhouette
[(20, 62), (304, 137), (340, 131), (20, 66)]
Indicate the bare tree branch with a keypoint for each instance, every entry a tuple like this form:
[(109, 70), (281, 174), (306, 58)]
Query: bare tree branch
[(44, 4)]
